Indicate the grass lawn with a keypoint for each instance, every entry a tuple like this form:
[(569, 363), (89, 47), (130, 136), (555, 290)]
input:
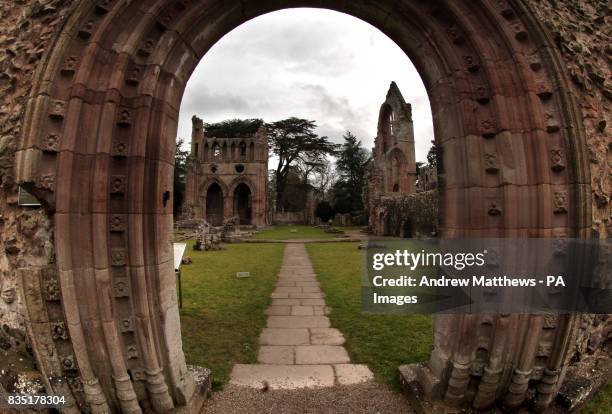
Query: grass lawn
[(383, 342), (602, 403), (286, 232), (222, 316)]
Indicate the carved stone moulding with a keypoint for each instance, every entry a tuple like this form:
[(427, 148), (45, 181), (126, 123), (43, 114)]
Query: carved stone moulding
[(120, 149), (133, 75), (57, 111), (118, 184), (482, 95), (520, 33), (118, 257), (59, 331), (494, 208), (104, 6), (47, 182), (471, 63), (121, 289), (488, 129), (557, 159), (552, 125), (146, 48), (124, 119), (69, 363), (543, 91), (560, 202), (118, 222), (490, 162), (86, 30), (50, 143), (131, 351), (126, 325), (456, 35), (50, 285)]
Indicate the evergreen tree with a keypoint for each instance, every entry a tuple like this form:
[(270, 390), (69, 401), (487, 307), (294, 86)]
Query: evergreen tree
[(351, 166), (180, 171)]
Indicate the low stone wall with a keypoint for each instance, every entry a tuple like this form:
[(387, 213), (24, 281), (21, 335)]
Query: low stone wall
[(291, 217), (405, 216)]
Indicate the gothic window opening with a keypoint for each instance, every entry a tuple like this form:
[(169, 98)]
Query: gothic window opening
[(243, 203), (216, 151)]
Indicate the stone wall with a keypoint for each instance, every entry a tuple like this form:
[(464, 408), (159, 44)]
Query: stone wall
[(579, 32), (414, 215), (27, 28)]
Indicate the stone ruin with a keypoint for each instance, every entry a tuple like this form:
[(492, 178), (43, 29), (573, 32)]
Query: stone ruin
[(206, 239), (212, 238), (396, 202)]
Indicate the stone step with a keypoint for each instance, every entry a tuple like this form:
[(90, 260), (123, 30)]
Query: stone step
[(282, 376)]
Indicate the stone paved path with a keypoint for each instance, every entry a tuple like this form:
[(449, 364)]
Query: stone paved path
[(298, 347)]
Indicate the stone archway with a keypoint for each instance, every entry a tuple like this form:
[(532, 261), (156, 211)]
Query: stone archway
[(97, 147)]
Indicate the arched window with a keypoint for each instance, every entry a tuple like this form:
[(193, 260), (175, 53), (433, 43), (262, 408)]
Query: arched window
[(395, 173), (386, 127), (243, 150), (216, 151), (252, 152)]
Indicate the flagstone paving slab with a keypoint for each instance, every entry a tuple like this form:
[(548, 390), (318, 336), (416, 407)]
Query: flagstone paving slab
[(350, 374), (283, 376), (298, 322), (302, 310), (321, 354), (278, 310), (326, 336), (286, 302), (276, 355), (273, 336)]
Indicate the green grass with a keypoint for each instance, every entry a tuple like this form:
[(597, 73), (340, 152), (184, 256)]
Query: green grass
[(222, 316), (284, 232), (602, 402), (383, 342)]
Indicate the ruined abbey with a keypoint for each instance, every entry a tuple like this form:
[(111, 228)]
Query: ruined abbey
[(227, 177), (394, 197)]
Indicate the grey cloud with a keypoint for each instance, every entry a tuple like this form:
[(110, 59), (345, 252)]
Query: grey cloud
[(202, 101)]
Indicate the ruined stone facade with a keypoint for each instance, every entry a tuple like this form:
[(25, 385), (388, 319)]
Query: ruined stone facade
[(392, 204), (227, 177), (520, 95), (393, 152), (427, 178)]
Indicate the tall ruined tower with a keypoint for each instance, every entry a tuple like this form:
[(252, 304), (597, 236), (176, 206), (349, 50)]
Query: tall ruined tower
[(227, 176), (394, 151)]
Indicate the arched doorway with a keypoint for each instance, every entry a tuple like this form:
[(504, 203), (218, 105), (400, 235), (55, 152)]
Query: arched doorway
[(243, 203), (214, 205), (501, 106)]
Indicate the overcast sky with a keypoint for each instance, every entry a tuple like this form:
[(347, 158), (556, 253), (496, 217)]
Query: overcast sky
[(309, 63)]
